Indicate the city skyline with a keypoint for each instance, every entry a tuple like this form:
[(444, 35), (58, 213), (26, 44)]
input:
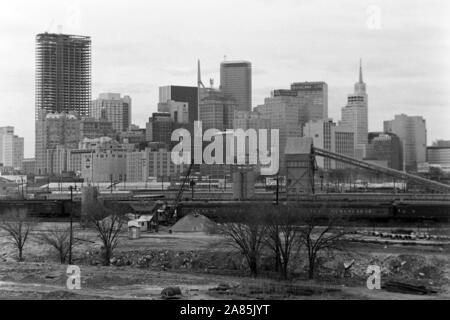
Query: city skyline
[(414, 86)]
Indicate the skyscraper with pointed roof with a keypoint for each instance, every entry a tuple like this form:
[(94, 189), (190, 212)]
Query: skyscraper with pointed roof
[(355, 115)]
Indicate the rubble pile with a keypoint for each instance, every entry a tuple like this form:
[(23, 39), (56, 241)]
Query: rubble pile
[(401, 267), (166, 260)]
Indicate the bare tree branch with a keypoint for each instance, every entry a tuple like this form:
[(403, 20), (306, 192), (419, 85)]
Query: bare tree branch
[(17, 226)]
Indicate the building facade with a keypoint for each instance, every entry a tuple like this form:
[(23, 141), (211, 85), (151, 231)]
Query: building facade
[(284, 114), (439, 155), (63, 73), (343, 143), (11, 148), (385, 147), (63, 82), (355, 116), (29, 166), (236, 81), (315, 95), (217, 111), (179, 111), (250, 120), (412, 132), (56, 129), (328, 136), (141, 165), (92, 128), (159, 128), (113, 108), (104, 161), (184, 94)]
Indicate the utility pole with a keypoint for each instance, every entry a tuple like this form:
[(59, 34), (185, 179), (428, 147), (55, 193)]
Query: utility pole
[(278, 190), (71, 225), (192, 183)]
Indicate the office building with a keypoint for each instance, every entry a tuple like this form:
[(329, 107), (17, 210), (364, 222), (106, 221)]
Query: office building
[(284, 114), (385, 147), (55, 129), (141, 165), (29, 166), (92, 128), (343, 143), (315, 95), (179, 111), (114, 108), (217, 110), (355, 115), (413, 135), (328, 136), (184, 94), (236, 81), (135, 137), (63, 82), (105, 161), (250, 119), (159, 128), (11, 148), (63, 73), (439, 155)]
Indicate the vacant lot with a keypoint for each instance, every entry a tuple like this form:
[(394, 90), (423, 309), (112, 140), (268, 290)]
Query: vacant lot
[(199, 263)]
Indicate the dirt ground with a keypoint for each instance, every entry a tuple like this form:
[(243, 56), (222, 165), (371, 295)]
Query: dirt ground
[(206, 267)]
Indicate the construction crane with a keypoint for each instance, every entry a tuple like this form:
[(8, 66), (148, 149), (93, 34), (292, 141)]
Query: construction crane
[(171, 210)]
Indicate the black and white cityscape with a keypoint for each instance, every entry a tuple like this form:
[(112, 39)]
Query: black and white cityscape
[(204, 150)]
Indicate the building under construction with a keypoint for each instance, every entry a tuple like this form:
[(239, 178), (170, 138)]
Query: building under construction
[(63, 80)]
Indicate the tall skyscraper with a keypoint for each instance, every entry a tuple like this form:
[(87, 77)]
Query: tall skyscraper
[(63, 83), (355, 115), (114, 108), (412, 132), (63, 73), (236, 81), (188, 95), (11, 148), (315, 95)]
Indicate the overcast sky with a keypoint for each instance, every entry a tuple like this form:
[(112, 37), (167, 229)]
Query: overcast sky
[(138, 46)]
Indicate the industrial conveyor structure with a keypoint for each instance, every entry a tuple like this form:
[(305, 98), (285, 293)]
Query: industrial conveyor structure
[(300, 166), (428, 184)]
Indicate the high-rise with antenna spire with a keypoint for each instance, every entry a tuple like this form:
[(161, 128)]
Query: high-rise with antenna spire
[(355, 115)]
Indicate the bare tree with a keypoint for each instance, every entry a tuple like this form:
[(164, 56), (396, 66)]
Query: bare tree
[(273, 242), (18, 227), (321, 229), (58, 239), (246, 232), (282, 237), (108, 225)]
